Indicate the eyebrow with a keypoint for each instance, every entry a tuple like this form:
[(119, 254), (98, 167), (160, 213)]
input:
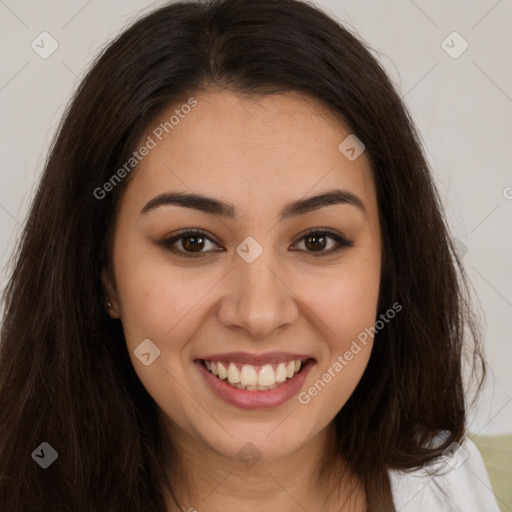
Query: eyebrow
[(214, 206)]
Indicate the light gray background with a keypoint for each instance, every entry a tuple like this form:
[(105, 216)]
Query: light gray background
[(462, 107)]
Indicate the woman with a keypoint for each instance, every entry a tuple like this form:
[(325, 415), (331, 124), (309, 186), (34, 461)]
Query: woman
[(236, 289)]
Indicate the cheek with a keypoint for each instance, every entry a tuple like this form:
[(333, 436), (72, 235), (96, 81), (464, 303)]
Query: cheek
[(156, 297), (161, 304), (348, 312), (345, 300), (346, 303)]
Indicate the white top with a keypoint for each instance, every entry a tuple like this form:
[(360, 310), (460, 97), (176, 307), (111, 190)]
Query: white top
[(460, 472)]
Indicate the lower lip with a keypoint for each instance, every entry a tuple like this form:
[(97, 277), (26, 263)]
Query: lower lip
[(255, 399)]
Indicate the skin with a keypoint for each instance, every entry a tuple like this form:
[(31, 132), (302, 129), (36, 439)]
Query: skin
[(258, 154)]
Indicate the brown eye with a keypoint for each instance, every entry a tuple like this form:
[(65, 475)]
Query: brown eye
[(189, 244), (194, 243), (317, 241)]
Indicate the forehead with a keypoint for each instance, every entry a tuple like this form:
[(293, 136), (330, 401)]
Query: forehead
[(252, 151)]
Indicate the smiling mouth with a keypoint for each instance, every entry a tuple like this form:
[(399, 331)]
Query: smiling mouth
[(255, 378)]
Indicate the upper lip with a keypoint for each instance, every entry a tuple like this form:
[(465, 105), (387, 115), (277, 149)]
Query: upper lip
[(257, 359)]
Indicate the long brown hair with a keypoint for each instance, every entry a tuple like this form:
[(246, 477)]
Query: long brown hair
[(65, 374)]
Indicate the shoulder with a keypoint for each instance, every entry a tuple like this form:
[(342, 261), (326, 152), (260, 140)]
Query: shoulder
[(455, 482)]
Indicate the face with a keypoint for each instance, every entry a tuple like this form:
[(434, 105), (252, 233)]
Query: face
[(271, 277)]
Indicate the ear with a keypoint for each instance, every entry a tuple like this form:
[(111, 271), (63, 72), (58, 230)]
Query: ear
[(110, 295)]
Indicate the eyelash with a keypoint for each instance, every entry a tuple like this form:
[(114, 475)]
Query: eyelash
[(343, 243)]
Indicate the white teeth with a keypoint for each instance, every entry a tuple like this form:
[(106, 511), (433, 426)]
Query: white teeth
[(281, 372), (248, 376), (250, 379), (266, 376), (233, 374), (222, 371)]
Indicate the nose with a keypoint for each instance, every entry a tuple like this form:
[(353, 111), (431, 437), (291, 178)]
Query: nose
[(259, 298)]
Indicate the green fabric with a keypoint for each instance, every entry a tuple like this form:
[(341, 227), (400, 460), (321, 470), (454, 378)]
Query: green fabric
[(497, 454)]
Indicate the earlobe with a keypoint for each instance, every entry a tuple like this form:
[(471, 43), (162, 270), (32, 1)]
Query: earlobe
[(111, 303)]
